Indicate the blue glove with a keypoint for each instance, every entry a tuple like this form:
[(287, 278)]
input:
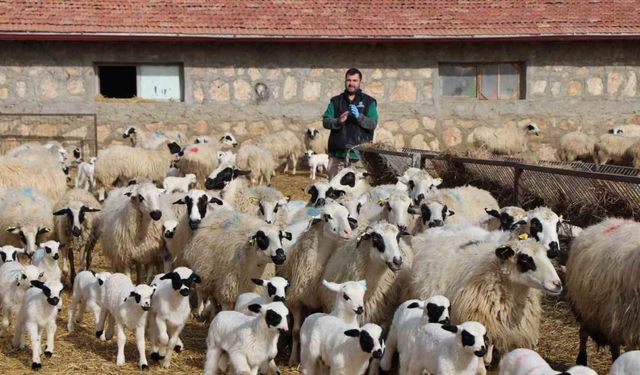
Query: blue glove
[(354, 110)]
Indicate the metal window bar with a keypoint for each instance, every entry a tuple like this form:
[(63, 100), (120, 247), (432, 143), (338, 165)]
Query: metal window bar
[(585, 192)]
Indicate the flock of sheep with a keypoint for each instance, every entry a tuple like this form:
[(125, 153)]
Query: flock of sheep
[(442, 277)]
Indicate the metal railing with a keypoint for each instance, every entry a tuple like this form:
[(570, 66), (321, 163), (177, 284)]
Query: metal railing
[(584, 192), (70, 129)]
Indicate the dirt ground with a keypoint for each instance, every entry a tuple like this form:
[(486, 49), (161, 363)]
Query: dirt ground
[(82, 353)]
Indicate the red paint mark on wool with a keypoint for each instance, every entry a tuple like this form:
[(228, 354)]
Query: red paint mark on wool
[(614, 227), (193, 150)]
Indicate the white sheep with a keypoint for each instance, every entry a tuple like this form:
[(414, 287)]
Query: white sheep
[(87, 293), (542, 224), (528, 362), (379, 256), (433, 213), (259, 160), (317, 163), (169, 312), (179, 184), (116, 165), (283, 145), (632, 155), (600, 268), (40, 173), (318, 193), (307, 259), (131, 227), (10, 253), (612, 148), (77, 224), (508, 218), (327, 341), (447, 349), (46, 258), (508, 275), (626, 364), (52, 148), (274, 291), (316, 140), (576, 146), (15, 279), (407, 320), (508, 140), (625, 130), (419, 183), (226, 140), (38, 312), (348, 181), (226, 157), (151, 140), (86, 177), (229, 249), (25, 218), (127, 307), (468, 202), (199, 159), (246, 342)]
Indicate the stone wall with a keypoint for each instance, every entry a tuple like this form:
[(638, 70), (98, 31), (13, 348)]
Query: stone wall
[(578, 85)]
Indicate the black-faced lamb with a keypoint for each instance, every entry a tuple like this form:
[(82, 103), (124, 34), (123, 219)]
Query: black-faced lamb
[(15, 279), (317, 163), (274, 290), (46, 258), (10, 253)]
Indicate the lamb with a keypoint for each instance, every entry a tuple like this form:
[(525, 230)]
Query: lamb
[(439, 352), (418, 183), (86, 177), (131, 227), (528, 362), (181, 184), (503, 141), (433, 213), (318, 193), (259, 160), (348, 181), (316, 140), (15, 280), (509, 276), (38, 311), (611, 148), (199, 159), (407, 320), (283, 145), (507, 218), (600, 261), (227, 139), (226, 157), (25, 218), (170, 310), (116, 165), (378, 256), (576, 146), (46, 258), (127, 307), (625, 130), (231, 248), (41, 175), (396, 207), (77, 225), (275, 292), (317, 162), (246, 342), (307, 259), (87, 293), (468, 202), (151, 140), (10, 253), (626, 364)]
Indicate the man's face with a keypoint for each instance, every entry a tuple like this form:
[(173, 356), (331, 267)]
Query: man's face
[(352, 83)]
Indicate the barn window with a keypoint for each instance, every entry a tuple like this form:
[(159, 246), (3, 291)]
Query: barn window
[(159, 82), (482, 81)]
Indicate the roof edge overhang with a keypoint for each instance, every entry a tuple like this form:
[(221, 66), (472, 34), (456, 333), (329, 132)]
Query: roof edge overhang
[(160, 37)]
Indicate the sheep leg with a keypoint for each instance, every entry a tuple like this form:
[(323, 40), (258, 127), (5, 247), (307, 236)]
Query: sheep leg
[(286, 165), (100, 324), (240, 364), (482, 370), (582, 351), (81, 310), (488, 358), (296, 315), (615, 352), (51, 334), (96, 311), (162, 337), (294, 161), (71, 315), (390, 350), (374, 367), (18, 336), (110, 327), (173, 341), (211, 363), (142, 362), (6, 314), (72, 275), (122, 339), (34, 334)]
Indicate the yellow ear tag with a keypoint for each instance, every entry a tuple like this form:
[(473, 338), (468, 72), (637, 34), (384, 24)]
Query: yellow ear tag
[(254, 200), (380, 201), (252, 242), (560, 218), (438, 180), (523, 236)]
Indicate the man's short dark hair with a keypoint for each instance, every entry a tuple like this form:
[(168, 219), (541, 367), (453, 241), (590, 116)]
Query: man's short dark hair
[(353, 71)]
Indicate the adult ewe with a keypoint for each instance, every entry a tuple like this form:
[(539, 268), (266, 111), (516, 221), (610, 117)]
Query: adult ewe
[(25, 218), (43, 175), (576, 146), (508, 140), (284, 145)]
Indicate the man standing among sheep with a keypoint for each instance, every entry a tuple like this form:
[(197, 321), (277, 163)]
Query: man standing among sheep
[(352, 118)]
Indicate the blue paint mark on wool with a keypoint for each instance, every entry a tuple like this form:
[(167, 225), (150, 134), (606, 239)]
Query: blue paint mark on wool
[(232, 220), (312, 212), (27, 192), (159, 133)]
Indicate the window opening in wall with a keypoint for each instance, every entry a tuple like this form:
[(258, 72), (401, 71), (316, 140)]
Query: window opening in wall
[(483, 81), (156, 82)]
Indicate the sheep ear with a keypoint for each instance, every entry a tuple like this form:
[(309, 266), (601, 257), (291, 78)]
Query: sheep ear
[(180, 201), (414, 305), (13, 230), (493, 213), (331, 286), (40, 285), (130, 183), (217, 201), (62, 211), (451, 212), (352, 332), (89, 209), (505, 252), (258, 281), (285, 235), (255, 308), (100, 282), (450, 328), (43, 231)]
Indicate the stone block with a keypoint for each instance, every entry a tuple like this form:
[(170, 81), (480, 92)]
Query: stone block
[(427, 91), (555, 89), (399, 141), (290, 89), (72, 71), (198, 92), (391, 126), (228, 72), (582, 72), (254, 74), (201, 127), (242, 90), (46, 130), (76, 87), (375, 89), (630, 87), (219, 91), (3, 78), (4, 93), (429, 123), (425, 72), (614, 81), (377, 74), (315, 72), (451, 137), (409, 125), (103, 132), (48, 88), (595, 86), (311, 91), (574, 88), (417, 141), (538, 87), (257, 128), (391, 73), (405, 91)]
